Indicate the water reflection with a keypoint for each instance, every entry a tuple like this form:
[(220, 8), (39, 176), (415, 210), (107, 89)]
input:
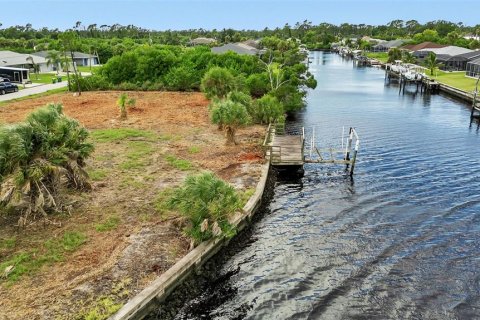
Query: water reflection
[(398, 242)]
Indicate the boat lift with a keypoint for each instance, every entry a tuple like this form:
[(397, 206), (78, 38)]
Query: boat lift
[(287, 151)]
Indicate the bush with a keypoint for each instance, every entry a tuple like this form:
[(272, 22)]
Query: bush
[(182, 78), (93, 83), (218, 82), (230, 115), (258, 84), (37, 156), (267, 109), (207, 202)]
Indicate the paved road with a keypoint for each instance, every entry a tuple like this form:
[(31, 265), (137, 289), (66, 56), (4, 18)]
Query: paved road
[(34, 90)]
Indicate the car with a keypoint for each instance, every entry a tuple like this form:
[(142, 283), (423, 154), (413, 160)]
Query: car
[(5, 77), (6, 87)]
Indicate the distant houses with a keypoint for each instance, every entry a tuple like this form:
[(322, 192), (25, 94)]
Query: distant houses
[(240, 48), (80, 58), (385, 46), (202, 41)]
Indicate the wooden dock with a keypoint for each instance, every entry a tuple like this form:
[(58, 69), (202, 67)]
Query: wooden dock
[(287, 151)]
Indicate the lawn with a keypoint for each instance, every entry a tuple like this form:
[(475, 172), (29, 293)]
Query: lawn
[(380, 56), (43, 77), (456, 79), (88, 69)]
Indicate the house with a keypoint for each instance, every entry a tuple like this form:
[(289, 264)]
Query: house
[(239, 48), (202, 41), (387, 45), (422, 46), (473, 68), (450, 57), (22, 61), (20, 75), (80, 58), (459, 62)]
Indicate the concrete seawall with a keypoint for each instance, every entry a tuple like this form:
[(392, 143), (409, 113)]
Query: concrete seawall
[(141, 305)]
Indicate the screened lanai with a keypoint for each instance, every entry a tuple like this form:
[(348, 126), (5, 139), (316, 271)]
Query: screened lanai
[(473, 68)]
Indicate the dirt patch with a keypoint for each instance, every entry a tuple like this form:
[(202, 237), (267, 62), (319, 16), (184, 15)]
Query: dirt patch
[(128, 242)]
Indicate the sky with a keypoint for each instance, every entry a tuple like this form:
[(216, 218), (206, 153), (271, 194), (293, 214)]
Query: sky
[(236, 14)]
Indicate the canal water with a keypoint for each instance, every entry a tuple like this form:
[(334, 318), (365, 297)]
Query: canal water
[(399, 241)]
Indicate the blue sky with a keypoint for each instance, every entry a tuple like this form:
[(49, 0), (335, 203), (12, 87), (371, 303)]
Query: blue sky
[(245, 14)]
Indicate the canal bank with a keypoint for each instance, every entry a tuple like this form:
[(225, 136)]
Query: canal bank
[(398, 241), (142, 305)]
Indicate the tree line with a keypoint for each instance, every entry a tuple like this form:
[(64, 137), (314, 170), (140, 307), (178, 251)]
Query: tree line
[(110, 40)]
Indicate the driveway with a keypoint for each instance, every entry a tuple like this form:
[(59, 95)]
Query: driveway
[(33, 90)]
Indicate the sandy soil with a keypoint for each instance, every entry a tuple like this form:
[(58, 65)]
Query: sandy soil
[(118, 263)]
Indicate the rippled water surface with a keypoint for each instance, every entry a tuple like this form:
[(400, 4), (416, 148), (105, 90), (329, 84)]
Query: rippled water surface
[(400, 241)]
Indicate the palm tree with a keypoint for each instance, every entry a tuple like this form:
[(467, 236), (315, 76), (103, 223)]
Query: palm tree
[(123, 102), (431, 62), (408, 57), (54, 58), (35, 66), (394, 54)]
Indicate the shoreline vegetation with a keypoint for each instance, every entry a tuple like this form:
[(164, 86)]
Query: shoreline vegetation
[(163, 171)]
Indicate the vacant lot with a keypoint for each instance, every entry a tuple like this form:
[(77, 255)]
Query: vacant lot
[(113, 241)]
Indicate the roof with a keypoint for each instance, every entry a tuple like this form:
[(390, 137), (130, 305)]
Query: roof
[(76, 55), (450, 50), (476, 62), (10, 58), (423, 45), (443, 57), (390, 44), (470, 55), (239, 48), (14, 69), (202, 40)]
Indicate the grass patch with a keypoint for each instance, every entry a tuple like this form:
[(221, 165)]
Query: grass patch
[(110, 135), (137, 156), (97, 174), (53, 250), (246, 195), (8, 243), (33, 96), (110, 224), (179, 164), (45, 77), (104, 308), (454, 79), (161, 201), (193, 149), (130, 182), (380, 56)]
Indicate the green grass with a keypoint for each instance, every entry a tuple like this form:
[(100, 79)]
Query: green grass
[(87, 69), (53, 250), (103, 309), (97, 174), (179, 164), (380, 56), (138, 155), (8, 243), (454, 79), (44, 77), (38, 95), (161, 201), (110, 224), (110, 135), (194, 149)]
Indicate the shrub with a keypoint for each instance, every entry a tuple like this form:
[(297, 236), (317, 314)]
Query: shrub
[(36, 155), (207, 202), (182, 78), (230, 115), (267, 109), (218, 82), (258, 84)]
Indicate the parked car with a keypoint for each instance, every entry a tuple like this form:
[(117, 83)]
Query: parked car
[(6, 87), (5, 76)]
